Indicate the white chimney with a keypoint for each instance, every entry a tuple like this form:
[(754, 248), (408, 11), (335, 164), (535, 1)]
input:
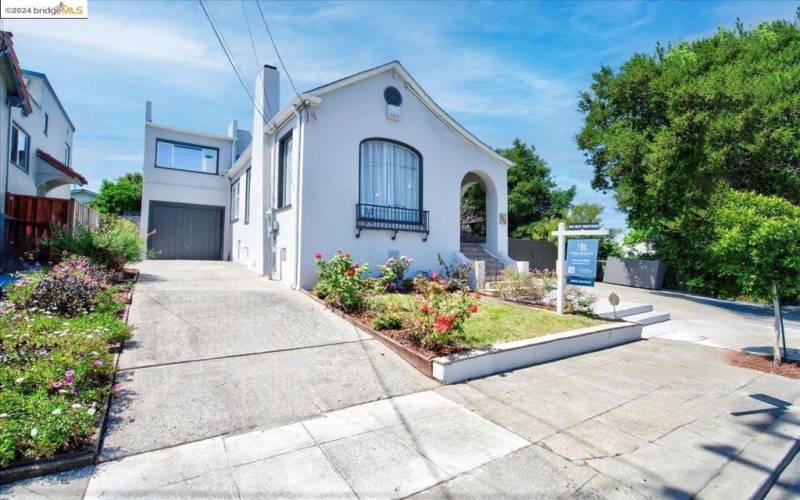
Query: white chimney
[(148, 111), (271, 93)]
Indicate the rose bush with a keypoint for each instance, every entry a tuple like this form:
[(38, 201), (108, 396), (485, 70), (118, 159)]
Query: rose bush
[(341, 282), (439, 314)]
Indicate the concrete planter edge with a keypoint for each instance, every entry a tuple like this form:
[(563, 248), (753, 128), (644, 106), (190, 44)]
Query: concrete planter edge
[(507, 356)]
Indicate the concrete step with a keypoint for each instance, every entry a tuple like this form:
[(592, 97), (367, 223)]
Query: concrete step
[(648, 318), (603, 309)]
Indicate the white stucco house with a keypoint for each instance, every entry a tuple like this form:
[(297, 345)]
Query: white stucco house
[(369, 164)]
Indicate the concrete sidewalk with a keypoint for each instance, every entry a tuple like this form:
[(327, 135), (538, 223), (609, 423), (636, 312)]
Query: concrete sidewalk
[(330, 414)]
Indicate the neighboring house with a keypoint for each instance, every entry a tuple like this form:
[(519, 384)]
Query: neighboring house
[(369, 164), (40, 144), (13, 94), (82, 195)]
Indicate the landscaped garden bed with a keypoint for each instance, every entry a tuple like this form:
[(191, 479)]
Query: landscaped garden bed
[(439, 326), (60, 332)]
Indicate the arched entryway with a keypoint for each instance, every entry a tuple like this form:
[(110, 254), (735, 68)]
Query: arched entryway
[(478, 222)]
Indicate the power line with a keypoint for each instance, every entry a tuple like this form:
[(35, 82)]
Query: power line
[(252, 42), (283, 65), (255, 55), (231, 60)]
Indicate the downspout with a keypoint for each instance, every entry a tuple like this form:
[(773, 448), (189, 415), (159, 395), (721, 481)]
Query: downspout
[(269, 211), (297, 218)]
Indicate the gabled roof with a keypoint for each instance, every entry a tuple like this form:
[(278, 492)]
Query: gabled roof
[(42, 76), (420, 93), (15, 75), (65, 169)]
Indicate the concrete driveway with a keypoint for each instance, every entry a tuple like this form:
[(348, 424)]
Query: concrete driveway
[(706, 321), (234, 387)]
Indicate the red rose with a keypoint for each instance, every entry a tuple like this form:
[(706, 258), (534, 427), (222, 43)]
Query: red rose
[(350, 272), (318, 255), (473, 308), (425, 309), (476, 296), (443, 323)]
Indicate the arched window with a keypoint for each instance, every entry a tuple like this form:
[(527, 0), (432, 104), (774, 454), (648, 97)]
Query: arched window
[(390, 176)]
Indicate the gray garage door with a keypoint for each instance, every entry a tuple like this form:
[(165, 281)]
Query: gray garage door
[(185, 231)]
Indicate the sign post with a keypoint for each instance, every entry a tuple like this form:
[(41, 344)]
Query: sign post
[(584, 257)]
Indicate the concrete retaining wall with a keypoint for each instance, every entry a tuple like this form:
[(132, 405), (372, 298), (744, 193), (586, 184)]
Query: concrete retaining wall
[(508, 356)]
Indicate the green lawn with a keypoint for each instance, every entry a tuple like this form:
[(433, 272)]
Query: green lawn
[(499, 321)]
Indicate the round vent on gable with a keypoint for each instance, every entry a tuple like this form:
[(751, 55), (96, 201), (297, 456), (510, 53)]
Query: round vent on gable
[(392, 96)]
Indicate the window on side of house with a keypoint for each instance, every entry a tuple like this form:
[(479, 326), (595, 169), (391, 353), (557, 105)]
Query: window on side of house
[(247, 196), (285, 171), (391, 176), (20, 147), (46, 123), (67, 154), (188, 157), (235, 201)]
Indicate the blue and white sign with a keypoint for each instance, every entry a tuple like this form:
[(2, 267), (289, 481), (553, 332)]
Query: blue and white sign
[(582, 262)]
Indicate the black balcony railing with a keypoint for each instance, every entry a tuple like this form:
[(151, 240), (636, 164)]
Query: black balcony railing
[(391, 219)]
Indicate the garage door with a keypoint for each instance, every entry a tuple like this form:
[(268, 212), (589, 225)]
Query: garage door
[(185, 231)]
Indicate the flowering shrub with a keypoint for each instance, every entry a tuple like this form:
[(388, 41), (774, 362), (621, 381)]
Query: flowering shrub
[(439, 314), (113, 244), (71, 288), (521, 287), (578, 301), (341, 281), (393, 273), (55, 371)]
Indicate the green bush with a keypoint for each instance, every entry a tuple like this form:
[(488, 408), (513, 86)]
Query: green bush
[(341, 282), (387, 321), (113, 244)]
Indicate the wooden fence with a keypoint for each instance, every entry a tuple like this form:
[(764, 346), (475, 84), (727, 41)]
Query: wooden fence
[(28, 219)]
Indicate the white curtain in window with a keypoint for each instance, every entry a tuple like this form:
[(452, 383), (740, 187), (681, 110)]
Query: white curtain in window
[(389, 175)]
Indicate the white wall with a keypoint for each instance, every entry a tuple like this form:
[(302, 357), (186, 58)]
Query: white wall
[(285, 237), (59, 133), (162, 184), (331, 171), (5, 111)]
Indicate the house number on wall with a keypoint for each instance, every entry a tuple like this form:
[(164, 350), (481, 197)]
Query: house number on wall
[(503, 219)]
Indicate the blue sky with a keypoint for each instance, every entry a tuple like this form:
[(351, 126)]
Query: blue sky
[(504, 70)]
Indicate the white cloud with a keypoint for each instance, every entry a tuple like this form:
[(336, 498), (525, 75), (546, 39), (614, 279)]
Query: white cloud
[(111, 38)]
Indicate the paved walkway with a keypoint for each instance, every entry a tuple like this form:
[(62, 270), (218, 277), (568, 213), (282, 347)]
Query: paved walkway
[(234, 387)]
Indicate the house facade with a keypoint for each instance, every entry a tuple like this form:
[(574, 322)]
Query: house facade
[(40, 144), (369, 164)]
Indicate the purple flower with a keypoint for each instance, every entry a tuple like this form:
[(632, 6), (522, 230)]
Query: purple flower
[(57, 384), (116, 387), (69, 373), (74, 391), (97, 362), (68, 381)]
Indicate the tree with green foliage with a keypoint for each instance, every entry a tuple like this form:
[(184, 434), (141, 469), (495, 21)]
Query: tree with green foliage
[(532, 193), (580, 212), (120, 196), (753, 241), (666, 130)]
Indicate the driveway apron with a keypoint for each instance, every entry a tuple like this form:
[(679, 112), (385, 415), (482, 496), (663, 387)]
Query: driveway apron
[(217, 349)]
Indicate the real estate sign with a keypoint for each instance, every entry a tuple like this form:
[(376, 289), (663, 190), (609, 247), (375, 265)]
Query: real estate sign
[(582, 262)]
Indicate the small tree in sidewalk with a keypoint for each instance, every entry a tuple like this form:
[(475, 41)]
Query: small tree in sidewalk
[(755, 241)]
